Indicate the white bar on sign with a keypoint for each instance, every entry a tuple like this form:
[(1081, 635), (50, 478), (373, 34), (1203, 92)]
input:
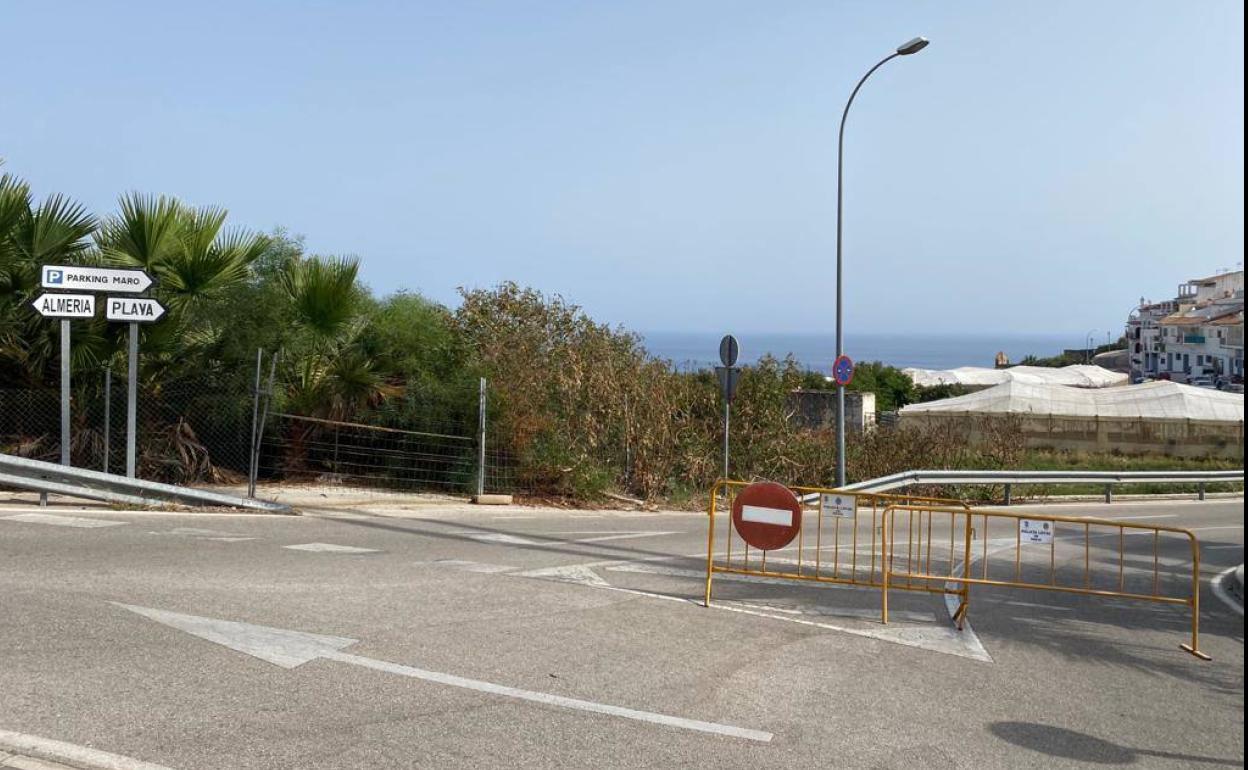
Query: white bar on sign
[(781, 517)]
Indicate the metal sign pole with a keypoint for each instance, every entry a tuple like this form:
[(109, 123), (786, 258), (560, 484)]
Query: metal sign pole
[(108, 416), (64, 391), (132, 392), (481, 440), (729, 350)]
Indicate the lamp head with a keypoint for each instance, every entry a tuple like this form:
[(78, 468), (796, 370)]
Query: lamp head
[(912, 46)]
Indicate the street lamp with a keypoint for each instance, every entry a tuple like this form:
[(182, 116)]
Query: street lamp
[(1087, 350), (905, 49)]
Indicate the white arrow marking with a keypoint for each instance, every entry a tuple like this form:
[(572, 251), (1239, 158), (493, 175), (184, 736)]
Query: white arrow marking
[(292, 648)]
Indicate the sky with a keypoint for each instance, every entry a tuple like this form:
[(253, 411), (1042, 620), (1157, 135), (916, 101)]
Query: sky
[(671, 165)]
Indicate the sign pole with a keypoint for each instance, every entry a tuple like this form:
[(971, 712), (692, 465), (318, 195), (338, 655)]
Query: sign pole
[(108, 403), (132, 392), (64, 391), (729, 349)]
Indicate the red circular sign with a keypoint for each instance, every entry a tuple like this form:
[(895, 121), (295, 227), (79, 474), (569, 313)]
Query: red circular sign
[(843, 370), (767, 515)]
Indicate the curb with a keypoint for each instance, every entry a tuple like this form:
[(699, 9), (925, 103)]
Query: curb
[(19, 750), (1228, 586)]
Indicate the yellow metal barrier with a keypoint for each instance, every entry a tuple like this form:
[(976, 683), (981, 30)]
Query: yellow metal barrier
[(1040, 552), (846, 551)]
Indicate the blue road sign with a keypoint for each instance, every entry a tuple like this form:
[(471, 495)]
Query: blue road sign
[(843, 370)]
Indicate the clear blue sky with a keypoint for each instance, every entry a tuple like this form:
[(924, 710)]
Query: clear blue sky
[(671, 165)]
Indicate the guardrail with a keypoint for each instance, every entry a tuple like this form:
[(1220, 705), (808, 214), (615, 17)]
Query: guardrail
[(50, 478), (1010, 478)]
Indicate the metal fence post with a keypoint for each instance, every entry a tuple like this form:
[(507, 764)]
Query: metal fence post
[(255, 423), (481, 439), (1201, 495), (108, 415), (1109, 493), (1009, 488)]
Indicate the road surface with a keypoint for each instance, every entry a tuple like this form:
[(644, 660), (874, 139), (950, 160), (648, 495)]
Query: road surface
[(536, 638)]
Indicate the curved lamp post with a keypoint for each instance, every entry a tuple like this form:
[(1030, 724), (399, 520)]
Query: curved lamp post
[(905, 49), (1088, 343)]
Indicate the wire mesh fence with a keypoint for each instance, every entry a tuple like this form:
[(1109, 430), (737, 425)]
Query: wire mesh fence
[(202, 436)]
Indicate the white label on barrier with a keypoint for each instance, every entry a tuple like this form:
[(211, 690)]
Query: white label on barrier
[(1032, 531), (781, 517), (839, 506)]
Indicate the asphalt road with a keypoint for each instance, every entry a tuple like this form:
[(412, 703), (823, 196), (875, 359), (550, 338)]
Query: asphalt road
[(537, 638)]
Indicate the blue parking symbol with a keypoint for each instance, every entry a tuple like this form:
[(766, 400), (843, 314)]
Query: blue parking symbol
[(54, 276)]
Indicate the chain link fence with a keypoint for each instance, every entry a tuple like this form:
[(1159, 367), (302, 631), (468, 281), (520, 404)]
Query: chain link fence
[(202, 437)]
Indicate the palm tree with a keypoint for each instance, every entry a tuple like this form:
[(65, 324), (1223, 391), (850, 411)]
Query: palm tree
[(330, 373), (55, 231), (193, 259)]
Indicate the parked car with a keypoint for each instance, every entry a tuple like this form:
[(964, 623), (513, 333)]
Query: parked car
[(1201, 382)]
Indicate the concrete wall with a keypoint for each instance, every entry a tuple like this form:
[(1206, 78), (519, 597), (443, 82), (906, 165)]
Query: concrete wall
[(1175, 438), (817, 409)]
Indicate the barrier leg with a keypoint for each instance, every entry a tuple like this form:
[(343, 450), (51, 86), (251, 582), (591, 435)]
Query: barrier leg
[(710, 547), (1194, 647), (886, 557)]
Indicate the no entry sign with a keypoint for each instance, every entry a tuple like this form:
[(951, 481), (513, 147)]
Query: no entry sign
[(767, 515)]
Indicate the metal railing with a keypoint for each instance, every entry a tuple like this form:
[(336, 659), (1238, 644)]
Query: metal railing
[(50, 478), (1008, 479)]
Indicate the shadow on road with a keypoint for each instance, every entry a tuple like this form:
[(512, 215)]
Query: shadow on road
[(1069, 744)]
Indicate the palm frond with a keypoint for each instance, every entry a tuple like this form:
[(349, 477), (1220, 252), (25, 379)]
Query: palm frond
[(323, 293)]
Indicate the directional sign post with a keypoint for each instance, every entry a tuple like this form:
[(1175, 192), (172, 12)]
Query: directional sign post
[(132, 310), (65, 307)]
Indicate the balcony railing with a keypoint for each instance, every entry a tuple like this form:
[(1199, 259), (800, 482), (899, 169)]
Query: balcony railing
[(1194, 339)]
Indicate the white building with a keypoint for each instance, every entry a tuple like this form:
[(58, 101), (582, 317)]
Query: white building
[(1198, 334)]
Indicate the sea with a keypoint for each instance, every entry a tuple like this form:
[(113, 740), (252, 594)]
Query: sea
[(690, 351)]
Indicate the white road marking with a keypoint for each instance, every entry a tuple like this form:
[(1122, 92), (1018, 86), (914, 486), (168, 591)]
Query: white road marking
[(289, 649), (574, 573), (1131, 518), (1211, 529), (626, 536), (550, 542), (500, 537), (62, 521), (59, 751), (329, 548), (472, 566), (1221, 547), (203, 534), (934, 636), (1038, 606)]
